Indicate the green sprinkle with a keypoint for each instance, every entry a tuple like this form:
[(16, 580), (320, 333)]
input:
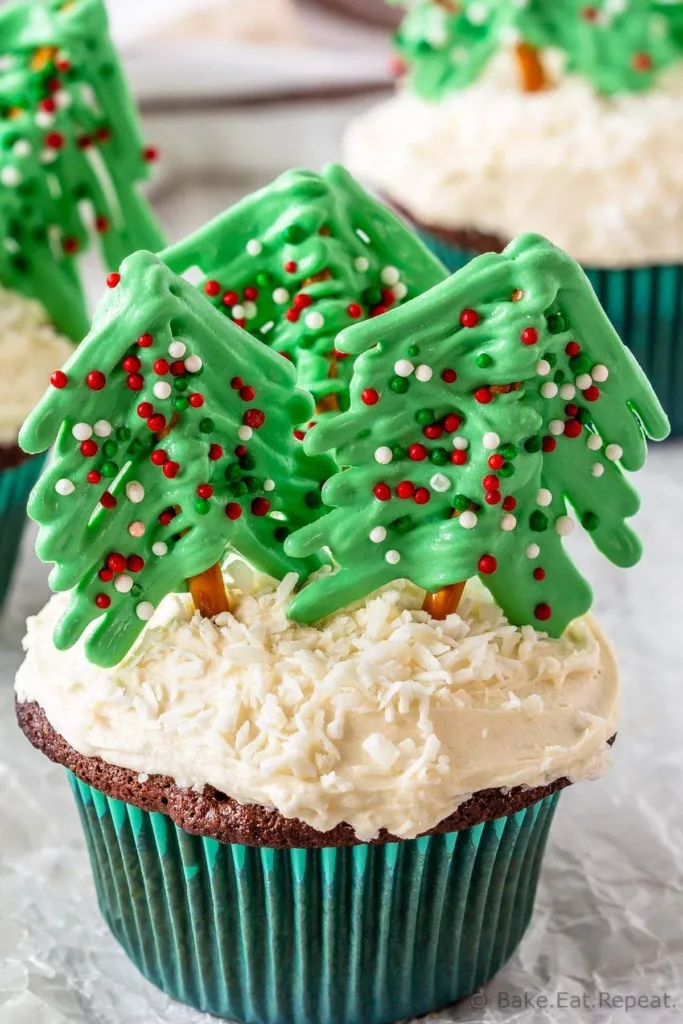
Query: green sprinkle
[(109, 449), (306, 341), (398, 452), (590, 521), (413, 351), (439, 456), (425, 417), (110, 470), (372, 296), (533, 444), (123, 433), (247, 462), (207, 425), (484, 360), (263, 280), (583, 416), (508, 451), (558, 323), (281, 534), (233, 472), (402, 525), (136, 590), (399, 385), (313, 499), (239, 489), (461, 503), (581, 363), (294, 234), (180, 403), (551, 358), (181, 384), (137, 447), (507, 470), (538, 521), (559, 376), (252, 484), (202, 506)]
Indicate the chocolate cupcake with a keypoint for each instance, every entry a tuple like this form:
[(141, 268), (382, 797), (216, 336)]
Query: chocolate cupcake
[(561, 121)]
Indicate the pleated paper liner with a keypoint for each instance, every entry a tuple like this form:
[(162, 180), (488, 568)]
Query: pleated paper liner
[(355, 935), (15, 486), (645, 304)]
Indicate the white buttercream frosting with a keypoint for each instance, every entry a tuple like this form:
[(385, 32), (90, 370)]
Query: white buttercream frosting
[(30, 349), (602, 177), (380, 716)]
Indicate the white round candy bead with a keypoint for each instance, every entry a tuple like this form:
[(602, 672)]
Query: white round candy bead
[(378, 534), (490, 440), (383, 455)]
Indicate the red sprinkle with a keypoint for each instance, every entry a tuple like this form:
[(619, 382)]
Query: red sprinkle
[(510, 503), (548, 444), (492, 497), (212, 289), (59, 379), (487, 564), (572, 348), (370, 397), (251, 293), (469, 318), (196, 400), (254, 418), (89, 449), (490, 483), (483, 396), (94, 477), (156, 423), (231, 299), (103, 601), (417, 452), (529, 336), (145, 340), (145, 410), (116, 562), (292, 315), (290, 267), (161, 367), (177, 368), (233, 510), (95, 380), (135, 563), (205, 491), (171, 469), (452, 422), (159, 457), (539, 574), (496, 461), (571, 409), (54, 140), (215, 452), (150, 154), (135, 382), (592, 393), (240, 450), (108, 500), (106, 575), (405, 489), (113, 280), (131, 364), (449, 376), (247, 394), (302, 301), (433, 432), (236, 383), (102, 224), (421, 496), (260, 506), (354, 310), (572, 428), (459, 457), (543, 611), (382, 492)]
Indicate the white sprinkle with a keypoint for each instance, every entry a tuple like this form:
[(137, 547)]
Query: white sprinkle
[(508, 522), (137, 529), (614, 452), (103, 428), (193, 364), (544, 497), (392, 557), (44, 119), (250, 310), (280, 295), (315, 321), (424, 373), (82, 431), (533, 551), (145, 611), (594, 442), (543, 368), (600, 373), (390, 276), (177, 349), (549, 389), (400, 290), (254, 247), (567, 392), (383, 455), (361, 263), (467, 519), (440, 483), (10, 176), (403, 368), (162, 389), (490, 440), (564, 526), (123, 583), (238, 312), (268, 485), (583, 381), (556, 427), (598, 469), (267, 327), (65, 487), (22, 148), (159, 548), (135, 492), (364, 237), (461, 443), (378, 534), (381, 750), (245, 433), (143, 777)]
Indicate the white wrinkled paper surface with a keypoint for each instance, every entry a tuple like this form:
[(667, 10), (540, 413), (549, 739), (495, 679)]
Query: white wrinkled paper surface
[(609, 914)]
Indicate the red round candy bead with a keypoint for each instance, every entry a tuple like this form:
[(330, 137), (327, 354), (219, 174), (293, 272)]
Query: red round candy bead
[(236, 383), (572, 348), (102, 224), (156, 423), (116, 562), (215, 452), (459, 457), (378, 310), (196, 400), (135, 381), (59, 379), (254, 418), (233, 510), (247, 393), (469, 318), (299, 435), (529, 336), (382, 492), (108, 500), (510, 503), (94, 477), (421, 496), (369, 397), (417, 452), (592, 393), (212, 289), (539, 573), (405, 489), (103, 601), (302, 301), (113, 280), (170, 469), (388, 297), (95, 380), (145, 341), (240, 450), (290, 267), (260, 506), (292, 315), (433, 431), (205, 491), (231, 298), (572, 428), (490, 483), (571, 409), (483, 396), (451, 422), (354, 310), (487, 564), (150, 154), (89, 449), (145, 410), (449, 376), (166, 517), (106, 575), (161, 367), (54, 140), (492, 497), (159, 457), (548, 444), (543, 611), (251, 293), (177, 368), (496, 461), (131, 364), (135, 563)]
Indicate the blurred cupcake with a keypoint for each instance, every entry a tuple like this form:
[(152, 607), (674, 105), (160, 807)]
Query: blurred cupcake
[(252, 792), (561, 121), (30, 348)]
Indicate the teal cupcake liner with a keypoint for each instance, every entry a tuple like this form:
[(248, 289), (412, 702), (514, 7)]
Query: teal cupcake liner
[(645, 304), (355, 935), (15, 486)]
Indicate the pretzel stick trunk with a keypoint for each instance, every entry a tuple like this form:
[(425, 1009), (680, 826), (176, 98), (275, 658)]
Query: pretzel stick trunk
[(531, 71)]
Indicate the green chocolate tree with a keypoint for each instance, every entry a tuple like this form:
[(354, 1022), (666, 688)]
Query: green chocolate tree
[(71, 153), (300, 260), (619, 47), (478, 412), (170, 450)]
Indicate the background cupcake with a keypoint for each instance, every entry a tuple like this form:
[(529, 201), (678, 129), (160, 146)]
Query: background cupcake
[(563, 119)]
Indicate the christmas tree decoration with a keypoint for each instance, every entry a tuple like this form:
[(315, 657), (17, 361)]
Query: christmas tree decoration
[(619, 46), (174, 445), (488, 417), (298, 261), (71, 153)]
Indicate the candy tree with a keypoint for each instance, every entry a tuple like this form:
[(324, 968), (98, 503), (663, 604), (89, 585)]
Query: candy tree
[(174, 444), (71, 152), (619, 46), (300, 260), (479, 411)]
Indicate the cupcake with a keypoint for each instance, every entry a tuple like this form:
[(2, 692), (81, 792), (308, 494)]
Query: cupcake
[(30, 348), (305, 740), (564, 122)]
